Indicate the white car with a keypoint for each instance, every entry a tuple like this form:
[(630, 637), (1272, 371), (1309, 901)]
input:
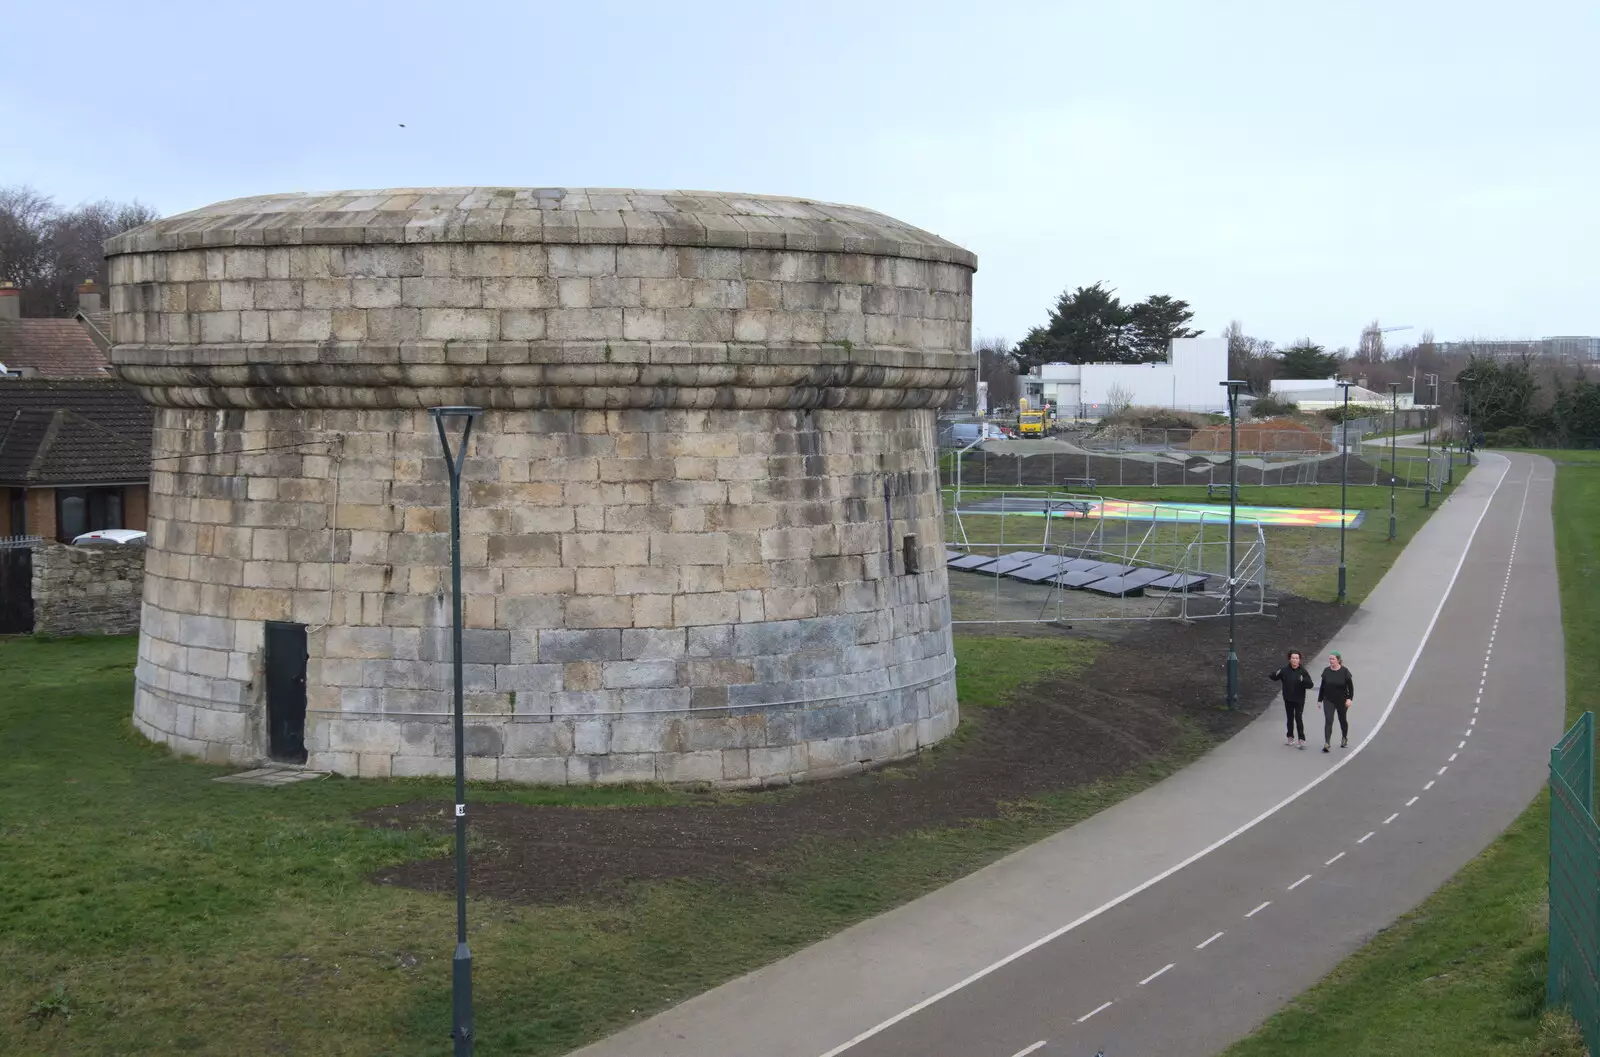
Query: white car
[(111, 536)]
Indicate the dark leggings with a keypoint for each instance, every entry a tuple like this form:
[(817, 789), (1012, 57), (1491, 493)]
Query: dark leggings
[(1295, 713), (1329, 709)]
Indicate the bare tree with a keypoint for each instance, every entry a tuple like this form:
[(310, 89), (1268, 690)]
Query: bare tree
[(24, 223), (1369, 349), (1253, 360), (1118, 399), (48, 251), (997, 367)]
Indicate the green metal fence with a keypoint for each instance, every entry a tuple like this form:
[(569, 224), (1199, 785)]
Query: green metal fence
[(1574, 979)]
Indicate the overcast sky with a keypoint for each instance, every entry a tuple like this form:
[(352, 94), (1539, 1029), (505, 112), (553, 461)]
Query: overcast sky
[(1303, 168)]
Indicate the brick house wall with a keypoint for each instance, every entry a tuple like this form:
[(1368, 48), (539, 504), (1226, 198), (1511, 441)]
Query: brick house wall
[(42, 513)]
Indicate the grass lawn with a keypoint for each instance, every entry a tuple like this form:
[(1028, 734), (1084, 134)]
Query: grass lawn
[(1304, 561), (1464, 974), (145, 909)]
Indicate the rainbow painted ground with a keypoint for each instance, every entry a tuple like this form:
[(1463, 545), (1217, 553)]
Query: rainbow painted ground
[(1128, 510)]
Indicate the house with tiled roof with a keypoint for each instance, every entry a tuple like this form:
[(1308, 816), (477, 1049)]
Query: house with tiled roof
[(79, 347), (74, 457)]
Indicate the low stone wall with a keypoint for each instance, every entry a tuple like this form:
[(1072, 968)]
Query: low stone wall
[(92, 590)]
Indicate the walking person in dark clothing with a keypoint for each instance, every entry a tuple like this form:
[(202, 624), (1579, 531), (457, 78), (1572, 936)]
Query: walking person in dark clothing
[(1336, 694), (1296, 681)]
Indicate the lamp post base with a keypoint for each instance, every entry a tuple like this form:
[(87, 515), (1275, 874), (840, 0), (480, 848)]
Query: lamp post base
[(1341, 583), (461, 989), (1233, 678)]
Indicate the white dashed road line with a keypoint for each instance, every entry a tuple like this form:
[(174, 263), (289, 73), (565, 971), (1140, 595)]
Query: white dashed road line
[(1368, 837), (1101, 1008), (1300, 882), (1027, 1050), (1259, 909), (1155, 974), (1391, 818), (1335, 859), (1207, 943)]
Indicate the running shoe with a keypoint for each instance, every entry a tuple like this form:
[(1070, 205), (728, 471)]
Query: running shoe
[(1324, 748), (1344, 743)]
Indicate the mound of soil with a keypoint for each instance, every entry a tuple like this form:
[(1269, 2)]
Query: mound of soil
[(1126, 708), (1268, 435), (1138, 417)]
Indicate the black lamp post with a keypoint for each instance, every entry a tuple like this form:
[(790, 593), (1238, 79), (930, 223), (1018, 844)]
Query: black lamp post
[(1344, 473), (1455, 416), (461, 966), (1394, 465), (1233, 388), (1432, 381)]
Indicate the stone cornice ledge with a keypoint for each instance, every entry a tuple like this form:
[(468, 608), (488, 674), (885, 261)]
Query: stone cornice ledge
[(542, 375)]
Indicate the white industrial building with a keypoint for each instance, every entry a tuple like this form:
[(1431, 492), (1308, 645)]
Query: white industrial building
[(1190, 380), (1320, 394)]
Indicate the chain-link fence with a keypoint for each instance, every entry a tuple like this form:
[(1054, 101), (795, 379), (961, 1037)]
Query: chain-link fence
[(1018, 556), (1574, 967), (1251, 440), (1088, 470)]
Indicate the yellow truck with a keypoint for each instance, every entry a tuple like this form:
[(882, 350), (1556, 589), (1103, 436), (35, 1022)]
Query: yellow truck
[(1030, 423)]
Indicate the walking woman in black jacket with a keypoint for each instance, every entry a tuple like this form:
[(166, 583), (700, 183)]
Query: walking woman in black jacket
[(1337, 693), (1296, 681)]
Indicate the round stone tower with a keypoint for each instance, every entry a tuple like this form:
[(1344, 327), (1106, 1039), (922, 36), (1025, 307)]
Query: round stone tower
[(701, 522)]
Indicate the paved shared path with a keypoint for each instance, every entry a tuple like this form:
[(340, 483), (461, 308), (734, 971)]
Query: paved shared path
[(1178, 920)]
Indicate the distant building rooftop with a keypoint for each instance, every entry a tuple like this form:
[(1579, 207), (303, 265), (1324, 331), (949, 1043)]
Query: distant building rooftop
[(72, 432)]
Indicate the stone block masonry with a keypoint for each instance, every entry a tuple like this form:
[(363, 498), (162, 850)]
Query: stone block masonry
[(93, 590), (684, 510)]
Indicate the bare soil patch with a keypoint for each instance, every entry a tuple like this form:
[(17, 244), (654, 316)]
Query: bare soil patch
[(1144, 691)]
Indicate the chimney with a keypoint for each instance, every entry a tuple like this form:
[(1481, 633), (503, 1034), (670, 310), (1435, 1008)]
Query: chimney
[(10, 302), (88, 297)]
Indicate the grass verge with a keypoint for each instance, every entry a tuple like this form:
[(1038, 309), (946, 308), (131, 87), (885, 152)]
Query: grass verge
[(1463, 975)]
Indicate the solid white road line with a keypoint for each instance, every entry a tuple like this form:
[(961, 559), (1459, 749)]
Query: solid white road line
[(1405, 677), (1030, 1049), (1413, 800), (1157, 973), (1300, 882), (1259, 909), (1207, 943), (1368, 837), (1102, 1007), (1335, 859), (1391, 818)]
